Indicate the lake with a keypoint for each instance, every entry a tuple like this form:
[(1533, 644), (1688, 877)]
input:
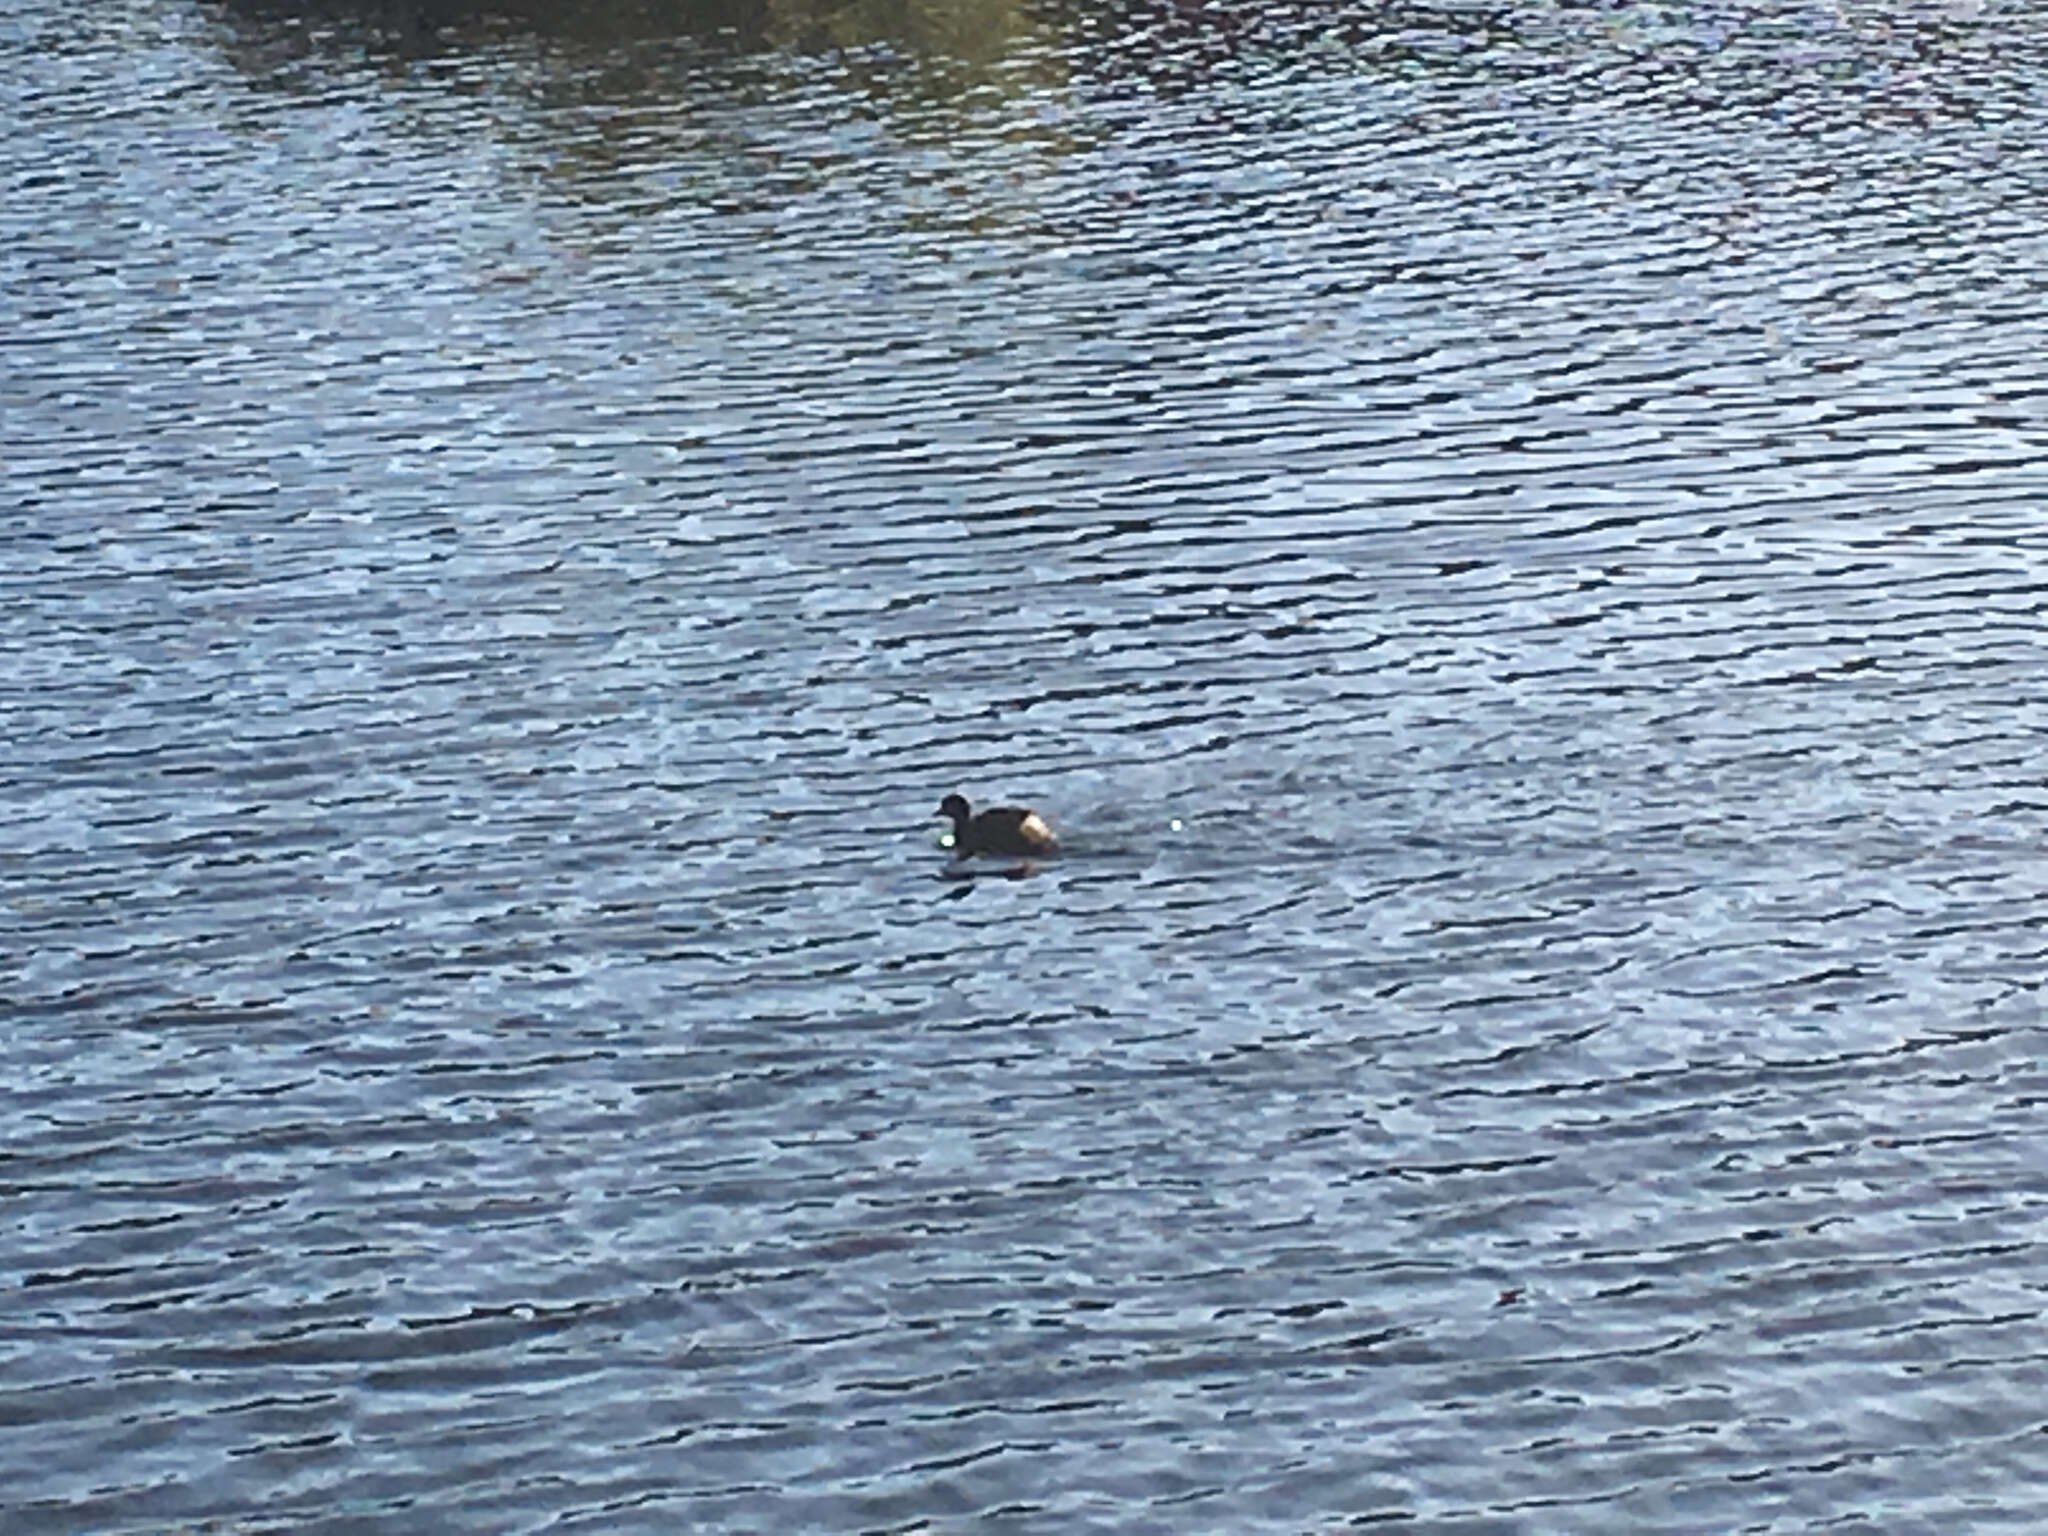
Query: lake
[(1511, 544)]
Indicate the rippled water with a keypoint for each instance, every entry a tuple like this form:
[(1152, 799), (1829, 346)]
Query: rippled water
[(1511, 543)]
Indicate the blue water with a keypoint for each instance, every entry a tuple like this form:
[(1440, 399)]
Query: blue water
[(1512, 552)]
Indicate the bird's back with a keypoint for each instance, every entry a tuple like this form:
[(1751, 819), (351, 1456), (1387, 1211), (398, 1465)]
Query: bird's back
[(1012, 829)]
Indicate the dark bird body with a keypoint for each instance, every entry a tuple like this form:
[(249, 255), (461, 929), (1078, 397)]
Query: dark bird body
[(1004, 829)]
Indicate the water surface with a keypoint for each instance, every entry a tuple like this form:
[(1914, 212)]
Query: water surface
[(1509, 543)]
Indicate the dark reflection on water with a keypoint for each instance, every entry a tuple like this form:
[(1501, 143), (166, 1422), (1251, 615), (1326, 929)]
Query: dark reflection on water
[(1509, 542)]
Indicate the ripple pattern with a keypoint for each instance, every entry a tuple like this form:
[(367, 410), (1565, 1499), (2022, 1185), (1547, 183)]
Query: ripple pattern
[(1510, 543)]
